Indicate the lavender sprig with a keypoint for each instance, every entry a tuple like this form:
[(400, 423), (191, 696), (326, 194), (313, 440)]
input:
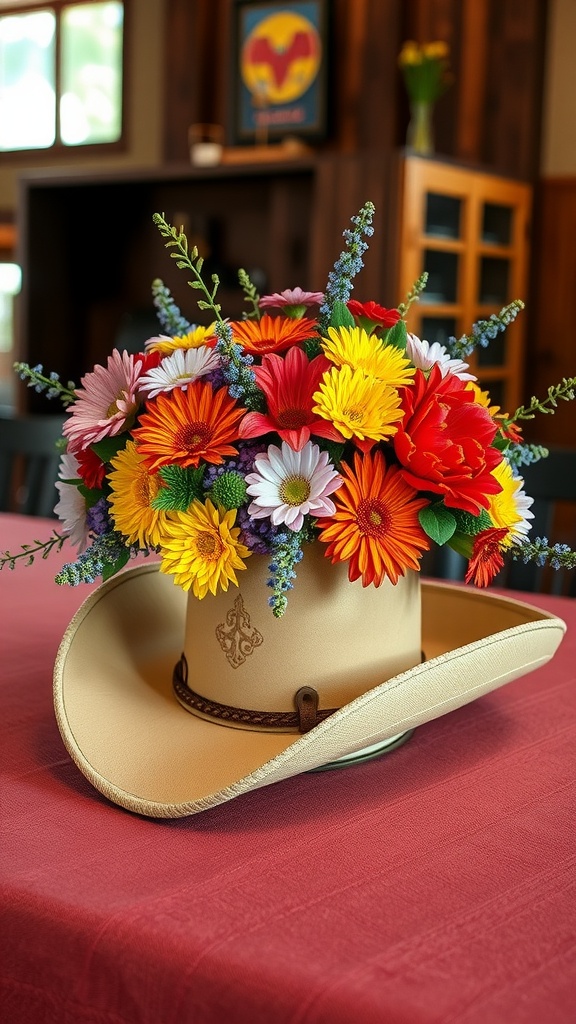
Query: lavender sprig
[(484, 331), (105, 556), (169, 315), (235, 365), (348, 264), (52, 385), (525, 454), (539, 551), (43, 548), (286, 553)]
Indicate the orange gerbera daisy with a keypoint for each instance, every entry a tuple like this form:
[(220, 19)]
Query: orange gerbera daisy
[(272, 333), (375, 527), (185, 427)]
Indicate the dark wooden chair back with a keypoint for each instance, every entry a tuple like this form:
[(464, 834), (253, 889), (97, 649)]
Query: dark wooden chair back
[(29, 462)]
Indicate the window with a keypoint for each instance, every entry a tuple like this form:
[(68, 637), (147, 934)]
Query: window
[(60, 73)]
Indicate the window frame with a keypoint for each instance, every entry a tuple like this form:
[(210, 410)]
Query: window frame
[(58, 148)]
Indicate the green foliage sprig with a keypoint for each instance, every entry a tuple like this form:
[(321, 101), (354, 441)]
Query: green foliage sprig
[(414, 294), (191, 261), (235, 364), (29, 552), (251, 295), (562, 392)]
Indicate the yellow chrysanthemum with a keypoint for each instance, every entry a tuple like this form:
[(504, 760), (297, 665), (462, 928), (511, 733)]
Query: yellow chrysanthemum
[(133, 490), (509, 509), (196, 337), (354, 347), (201, 549), (358, 405)]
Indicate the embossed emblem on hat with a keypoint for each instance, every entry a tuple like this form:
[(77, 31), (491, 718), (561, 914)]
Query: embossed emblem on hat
[(237, 637)]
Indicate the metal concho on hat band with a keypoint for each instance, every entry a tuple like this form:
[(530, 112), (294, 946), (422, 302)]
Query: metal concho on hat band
[(306, 715)]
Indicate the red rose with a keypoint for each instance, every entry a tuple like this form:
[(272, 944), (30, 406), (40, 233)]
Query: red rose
[(374, 313), (444, 442)]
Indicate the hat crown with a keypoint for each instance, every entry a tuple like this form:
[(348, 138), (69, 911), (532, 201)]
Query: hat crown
[(339, 638)]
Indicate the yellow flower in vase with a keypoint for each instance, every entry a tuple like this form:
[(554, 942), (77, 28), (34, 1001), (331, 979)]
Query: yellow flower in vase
[(425, 71)]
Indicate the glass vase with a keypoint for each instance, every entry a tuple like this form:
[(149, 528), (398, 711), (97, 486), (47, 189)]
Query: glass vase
[(420, 135)]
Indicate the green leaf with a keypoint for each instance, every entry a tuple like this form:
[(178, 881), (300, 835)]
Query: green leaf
[(111, 568), (341, 316), (91, 495), (108, 447), (437, 522), (397, 335), (462, 544)]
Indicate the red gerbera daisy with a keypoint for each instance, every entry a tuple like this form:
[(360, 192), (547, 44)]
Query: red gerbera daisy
[(487, 559), (370, 315), (272, 333), (184, 427), (289, 385)]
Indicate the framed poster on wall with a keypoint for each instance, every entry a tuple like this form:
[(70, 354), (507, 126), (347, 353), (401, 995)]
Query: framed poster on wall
[(279, 70)]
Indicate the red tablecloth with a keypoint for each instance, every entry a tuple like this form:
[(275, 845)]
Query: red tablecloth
[(436, 884)]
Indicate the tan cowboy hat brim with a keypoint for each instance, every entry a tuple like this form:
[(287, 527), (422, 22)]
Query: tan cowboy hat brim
[(134, 742)]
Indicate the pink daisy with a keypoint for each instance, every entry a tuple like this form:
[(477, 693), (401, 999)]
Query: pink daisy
[(106, 403), (293, 301)]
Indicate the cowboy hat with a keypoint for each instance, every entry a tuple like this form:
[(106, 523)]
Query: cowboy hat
[(170, 705)]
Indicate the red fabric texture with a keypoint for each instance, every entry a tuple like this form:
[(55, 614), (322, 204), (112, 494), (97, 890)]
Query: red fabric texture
[(435, 885)]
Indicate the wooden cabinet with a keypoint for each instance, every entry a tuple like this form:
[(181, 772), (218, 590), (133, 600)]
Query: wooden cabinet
[(470, 231), (89, 249)]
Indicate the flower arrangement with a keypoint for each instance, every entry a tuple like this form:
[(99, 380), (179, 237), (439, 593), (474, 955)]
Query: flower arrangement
[(424, 69), (315, 418)]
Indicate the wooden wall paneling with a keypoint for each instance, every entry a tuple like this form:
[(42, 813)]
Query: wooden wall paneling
[(197, 50), (472, 80), (514, 87), (377, 118), (348, 37), (343, 185), (551, 308)]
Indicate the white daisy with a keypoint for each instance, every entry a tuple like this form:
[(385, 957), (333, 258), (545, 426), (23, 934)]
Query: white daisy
[(179, 369), (425, 355), (71, 509), (287, 485)]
